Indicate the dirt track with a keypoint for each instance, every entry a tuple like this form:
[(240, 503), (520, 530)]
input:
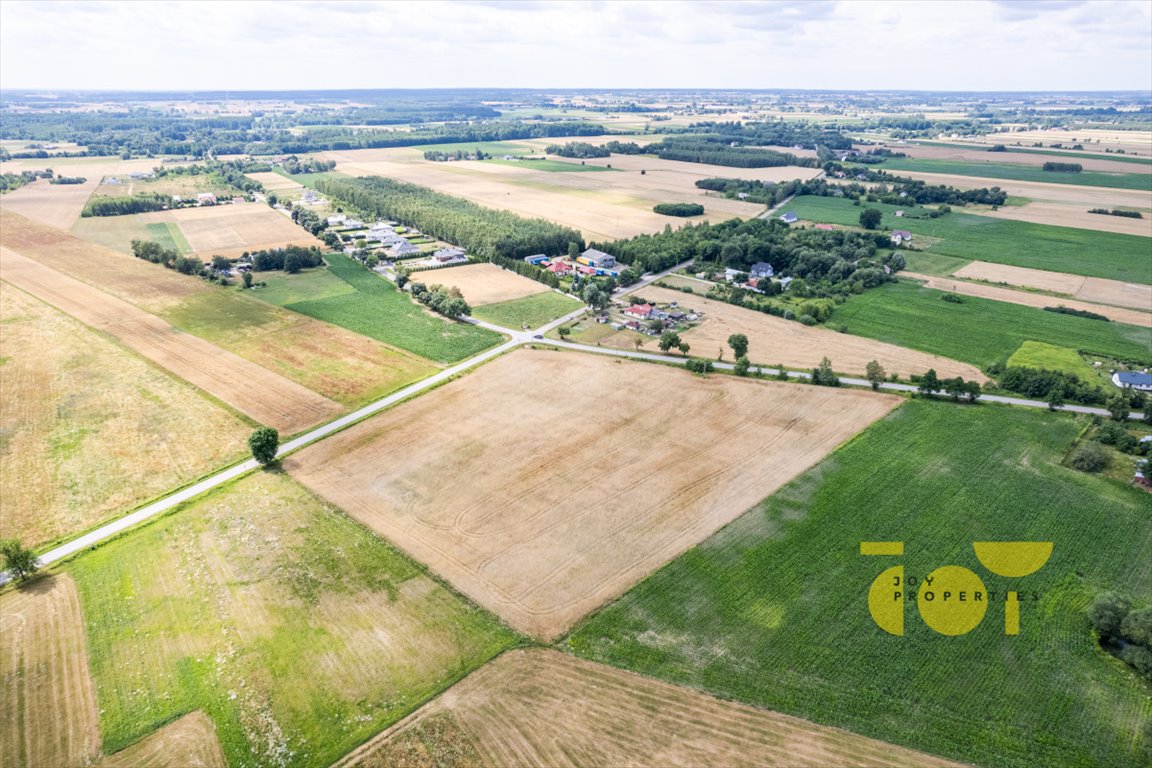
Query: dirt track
[(775, 340), (1130, 316), (1093, 289), (538, 707), (264, 396), (49, 717), (547, 483)]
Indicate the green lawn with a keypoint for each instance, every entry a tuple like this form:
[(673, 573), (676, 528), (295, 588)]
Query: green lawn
[(1002, 241), (772, 610), (299, 632), (555, 166), (1037, 354), (284, 289), (979, 331), (533, 311), (1013, 172), (379, 310)]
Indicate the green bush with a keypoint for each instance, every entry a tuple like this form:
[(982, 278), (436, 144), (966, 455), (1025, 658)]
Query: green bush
[(1089, 457)]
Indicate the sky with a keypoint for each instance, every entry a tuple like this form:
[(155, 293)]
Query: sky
[(1000, 45)]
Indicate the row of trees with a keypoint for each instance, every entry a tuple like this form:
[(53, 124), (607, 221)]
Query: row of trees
[(930, 383), (126, 205), (531, 271), (679, 209), (1062, 167), (11, 181), (703, 150), (290, 258), (67, 180), (445, 301), (578, 150), (1117, 212), (149, 250), (482, 231)]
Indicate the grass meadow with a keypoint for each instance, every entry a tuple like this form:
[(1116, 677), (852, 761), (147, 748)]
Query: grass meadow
[(1014, 172), (1050, 357), (979, 331), (380, 311), (531, 311), (1002, 241), (297, 631), (772, 610)]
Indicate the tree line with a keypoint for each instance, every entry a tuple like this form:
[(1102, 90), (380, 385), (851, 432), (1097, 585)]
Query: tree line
[(1055, 167), (679, 209), (290, 258), (11, 181), (126, 205), (578, 150), (483, 231), (445, 301)]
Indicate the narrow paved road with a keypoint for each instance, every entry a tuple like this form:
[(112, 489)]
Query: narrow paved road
[(516, 339)]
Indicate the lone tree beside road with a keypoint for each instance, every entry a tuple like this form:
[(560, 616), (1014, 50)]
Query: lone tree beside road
[(875, 373), (739, 344), (19, 561), (263, 443)]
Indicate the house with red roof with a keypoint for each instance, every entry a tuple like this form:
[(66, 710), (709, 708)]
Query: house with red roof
[(559, 268), (640, 311)]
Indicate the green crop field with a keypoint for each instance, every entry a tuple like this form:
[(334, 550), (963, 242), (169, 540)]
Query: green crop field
[(380, 311), (532, 311), (168, 234), (296, 630), (928, 263), (1037, 354), (1013, 172), (284, 289), (1002, 241), (487, 147), (979, 331), (554, 166), (772, 610)]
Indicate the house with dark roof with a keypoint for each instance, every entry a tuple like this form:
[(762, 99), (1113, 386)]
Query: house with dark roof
[(403, 249), (789, 218), (761, 269), (1140, 381), (598, 259)]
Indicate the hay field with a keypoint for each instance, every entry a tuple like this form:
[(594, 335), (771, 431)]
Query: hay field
[(190, 742), (1093, 289), (274, 182), (970, 154), (1068, 214), (484, 283), (1027, 299), (540, 707), (49, 717), (229, 230), (260, 394), (1132, 142), (774, 340), (297, 631), (59, 205), (604, 206), (91, 430), (339, 364), (542, 502)]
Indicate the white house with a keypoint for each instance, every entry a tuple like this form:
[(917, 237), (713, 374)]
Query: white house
[(789, 218), (1141, 381), (761, 269)]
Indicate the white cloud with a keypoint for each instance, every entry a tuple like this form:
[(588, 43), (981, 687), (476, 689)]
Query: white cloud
[(886, 44)]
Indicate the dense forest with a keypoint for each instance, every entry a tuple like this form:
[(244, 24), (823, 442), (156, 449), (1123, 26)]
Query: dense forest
[(482, 231)]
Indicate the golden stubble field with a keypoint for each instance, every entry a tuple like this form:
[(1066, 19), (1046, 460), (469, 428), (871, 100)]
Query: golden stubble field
[(1093, 289), (49, 717), (91, 430), (604, 205), (541, 707), (484, 283), (264, 396), (230, 230), (59, 205), (980, 154), (774, 340), (547, 483)]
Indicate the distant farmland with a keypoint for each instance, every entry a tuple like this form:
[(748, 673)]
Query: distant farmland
[(772, 609)]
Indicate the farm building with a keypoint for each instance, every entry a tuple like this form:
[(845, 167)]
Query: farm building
[(761, 269), (599, 259), (403, 249), (789, 218), (641, 311), (559, 268), (901, 236), (1133, 380), (587, 271), (537, 259), (206, 198)]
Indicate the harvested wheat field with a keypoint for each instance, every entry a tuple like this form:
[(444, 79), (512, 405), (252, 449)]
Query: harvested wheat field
[(485, 283), (1132, 142), (1068, 214), (190, 742), (1027, 299), (1093, 289), (229, 230), (274, 182), (59, 205), (976, 154), (322, 357), (541, 707), (546, 482), (264, 396), (91, 429), (774, 340), (49, 717), (603, 205)]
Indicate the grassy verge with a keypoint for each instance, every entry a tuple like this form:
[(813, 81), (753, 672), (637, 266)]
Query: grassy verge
[(979, 331), (380, 311), (266, 608), (772, 610), (531, 311), (1001, 241)]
